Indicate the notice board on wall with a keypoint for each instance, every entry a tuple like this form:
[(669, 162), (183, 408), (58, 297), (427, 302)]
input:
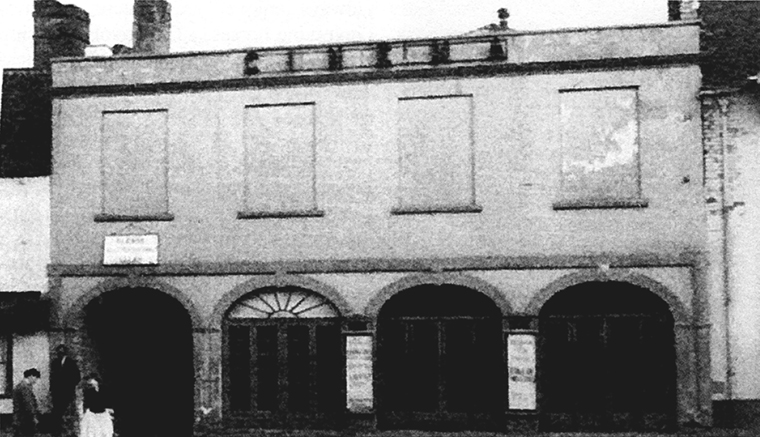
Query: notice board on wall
[(359, 373), (130, 250), (521, 359)]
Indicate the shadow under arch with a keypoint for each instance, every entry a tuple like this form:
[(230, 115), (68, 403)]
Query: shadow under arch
[(439, 353), (229, 298), (384, 294), (73, 317), (612, 353), (677, 308), (137, 333)]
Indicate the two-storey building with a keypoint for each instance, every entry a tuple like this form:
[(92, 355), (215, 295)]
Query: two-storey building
[(500, 231)]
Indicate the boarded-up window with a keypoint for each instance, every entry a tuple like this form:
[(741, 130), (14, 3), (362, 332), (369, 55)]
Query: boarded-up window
[(280, 158), (436, 153), (600, 145), (135, 163)]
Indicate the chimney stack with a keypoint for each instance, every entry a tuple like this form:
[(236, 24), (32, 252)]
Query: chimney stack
[(683, 10), (152, 26), (59, 31)]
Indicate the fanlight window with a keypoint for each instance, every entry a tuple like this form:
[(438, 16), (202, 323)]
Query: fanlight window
[(283, 304)]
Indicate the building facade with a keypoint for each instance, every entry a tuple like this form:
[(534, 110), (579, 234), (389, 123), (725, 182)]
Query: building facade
[(495, 232)]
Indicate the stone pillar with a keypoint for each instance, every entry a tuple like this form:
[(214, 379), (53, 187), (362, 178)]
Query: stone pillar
[(701, 314), (704, 381), (208, 379), (686, 375)]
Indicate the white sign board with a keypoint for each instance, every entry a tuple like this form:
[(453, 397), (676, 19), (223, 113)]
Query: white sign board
[(521, 353), (359, 373), (130, 250)]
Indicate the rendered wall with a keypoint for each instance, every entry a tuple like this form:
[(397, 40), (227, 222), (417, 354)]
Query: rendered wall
[(25, 243), (732, 133), (517, 174), (24, 234)]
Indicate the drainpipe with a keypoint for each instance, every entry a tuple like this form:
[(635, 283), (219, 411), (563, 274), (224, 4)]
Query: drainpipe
[(726, 210)]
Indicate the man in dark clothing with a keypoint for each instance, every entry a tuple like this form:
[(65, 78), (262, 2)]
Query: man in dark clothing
[(64, 377), (25, 410)]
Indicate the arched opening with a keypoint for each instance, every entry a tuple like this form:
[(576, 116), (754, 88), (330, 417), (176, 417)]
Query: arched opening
[(440, 360), (607, 360), (142, 340), (283, 360)]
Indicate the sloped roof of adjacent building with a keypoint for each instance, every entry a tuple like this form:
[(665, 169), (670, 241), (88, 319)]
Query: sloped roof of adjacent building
[(25, 123)]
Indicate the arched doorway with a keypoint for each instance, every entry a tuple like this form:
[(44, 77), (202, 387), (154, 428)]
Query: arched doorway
[(283, 360), (144, 344), (440, 360), (607, 360)]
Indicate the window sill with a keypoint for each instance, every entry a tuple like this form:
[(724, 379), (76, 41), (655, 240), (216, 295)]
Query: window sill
[(408, 210), (600, 204), (243, 215), (161, 217)]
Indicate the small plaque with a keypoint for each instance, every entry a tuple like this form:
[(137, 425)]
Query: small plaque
[(130, 250)]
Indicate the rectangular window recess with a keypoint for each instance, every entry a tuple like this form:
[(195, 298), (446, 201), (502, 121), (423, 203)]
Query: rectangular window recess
[(600, 204), (162, 217), (406, 210), (280, 214)]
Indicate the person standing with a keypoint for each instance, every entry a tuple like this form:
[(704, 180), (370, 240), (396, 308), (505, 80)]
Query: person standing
[(25, 410), (97, 420), (64, 377)]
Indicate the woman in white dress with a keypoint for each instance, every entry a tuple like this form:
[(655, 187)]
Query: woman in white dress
[(97, 420)]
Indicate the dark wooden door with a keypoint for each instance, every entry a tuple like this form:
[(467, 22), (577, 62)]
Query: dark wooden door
[(440, 361), (607, 361), (144, 340), (285, 373)]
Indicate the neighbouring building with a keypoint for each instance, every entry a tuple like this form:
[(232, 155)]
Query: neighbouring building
[(501, 231), (25, 244), (731, 136), (25, 153)]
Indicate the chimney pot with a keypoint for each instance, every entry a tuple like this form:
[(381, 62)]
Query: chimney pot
[(689, 9), (683, 10), (503, 16)]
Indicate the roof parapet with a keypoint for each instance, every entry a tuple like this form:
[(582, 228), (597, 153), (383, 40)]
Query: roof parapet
[(516, 48)]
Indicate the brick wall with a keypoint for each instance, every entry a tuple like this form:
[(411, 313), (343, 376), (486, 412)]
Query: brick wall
[(731, 133)]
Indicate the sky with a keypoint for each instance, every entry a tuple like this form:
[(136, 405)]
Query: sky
[(229, 24)]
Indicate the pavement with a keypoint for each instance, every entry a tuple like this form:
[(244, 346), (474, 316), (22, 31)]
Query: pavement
[(701, 432), (712, 432)]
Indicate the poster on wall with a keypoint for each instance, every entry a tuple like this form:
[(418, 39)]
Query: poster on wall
[(359, 373), (521, 356)]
